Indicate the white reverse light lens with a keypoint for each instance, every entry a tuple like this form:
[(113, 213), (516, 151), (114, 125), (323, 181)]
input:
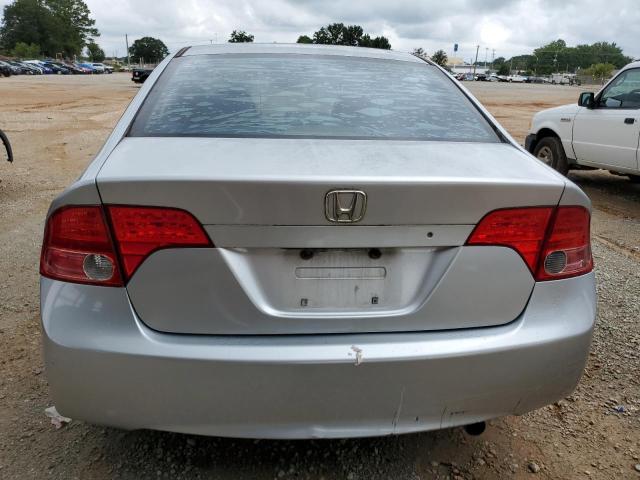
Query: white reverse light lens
[(97, 267), (555, 262)]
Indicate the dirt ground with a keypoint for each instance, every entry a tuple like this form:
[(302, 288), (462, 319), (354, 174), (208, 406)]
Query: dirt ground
[(57, 124)]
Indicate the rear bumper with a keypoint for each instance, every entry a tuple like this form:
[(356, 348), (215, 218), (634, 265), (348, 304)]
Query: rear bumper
[(530, 142), (104, 366)]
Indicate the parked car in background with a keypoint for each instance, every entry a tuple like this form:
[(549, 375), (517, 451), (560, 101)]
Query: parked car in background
[(56, 68), (34, 69), (481, 77), (222, 268), (38, 63), (537, 80), (102, 68), (139, 75), (564, 79), (99, 68), (90, 67), (600, 131), (15, 69), (497, 78), (5, 69), (71, 67), (20, 69), (84, 69), (516, 78)]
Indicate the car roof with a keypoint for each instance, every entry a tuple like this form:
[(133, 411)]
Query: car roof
[(299, 49), (632, 65)]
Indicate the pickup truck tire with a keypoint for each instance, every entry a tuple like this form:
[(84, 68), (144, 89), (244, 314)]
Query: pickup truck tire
[(549, 151)]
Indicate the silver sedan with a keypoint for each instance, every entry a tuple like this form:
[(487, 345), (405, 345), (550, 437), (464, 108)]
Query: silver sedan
[(291, 241)]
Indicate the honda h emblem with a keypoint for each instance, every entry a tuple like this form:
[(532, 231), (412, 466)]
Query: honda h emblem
[(345, 206)]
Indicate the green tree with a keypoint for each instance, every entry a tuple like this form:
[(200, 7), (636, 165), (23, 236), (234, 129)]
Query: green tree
[(522, 63), (23, 50), (29, 22), (439, 57), (240, 36), (419, 52), (557, 56), (96, 54), (330, 35), (73, 25), (149, 50), (304, 39), (377, 42), (350, 35), (600, 71), (58, 26), (503, 69)]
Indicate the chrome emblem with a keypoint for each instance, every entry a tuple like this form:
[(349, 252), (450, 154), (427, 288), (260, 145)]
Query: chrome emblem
[(345, 206)]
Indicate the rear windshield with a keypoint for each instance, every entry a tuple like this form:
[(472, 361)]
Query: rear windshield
[(312, 96)]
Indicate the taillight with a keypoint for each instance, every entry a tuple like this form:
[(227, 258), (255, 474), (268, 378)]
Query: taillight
[(140, 231), (77, 247), (553, 242), (522, 229), (567, 249)]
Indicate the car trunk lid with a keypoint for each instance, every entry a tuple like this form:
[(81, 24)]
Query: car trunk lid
[(264, 201)]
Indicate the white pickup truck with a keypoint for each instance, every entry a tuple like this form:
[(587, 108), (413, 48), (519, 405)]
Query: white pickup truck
[(517, 78), (601, 131)]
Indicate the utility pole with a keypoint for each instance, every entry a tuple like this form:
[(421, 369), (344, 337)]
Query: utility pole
[(486, 54), (126, 39), (476, 61)]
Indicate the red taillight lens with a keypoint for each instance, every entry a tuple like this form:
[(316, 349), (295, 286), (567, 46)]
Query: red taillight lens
[(554, 242), (522, 229), (567, 249), (140, 231), (77, 247)]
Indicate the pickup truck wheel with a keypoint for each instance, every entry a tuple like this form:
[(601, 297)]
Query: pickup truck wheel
[(549, 151)]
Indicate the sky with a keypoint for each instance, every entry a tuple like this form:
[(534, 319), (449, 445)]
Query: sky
[(510, 27)]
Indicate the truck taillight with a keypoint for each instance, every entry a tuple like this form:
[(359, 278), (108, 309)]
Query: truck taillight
[(554, 242), (80, 247), (77, 247)]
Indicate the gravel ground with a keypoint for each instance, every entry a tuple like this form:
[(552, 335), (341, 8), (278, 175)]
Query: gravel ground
[(57, 124)]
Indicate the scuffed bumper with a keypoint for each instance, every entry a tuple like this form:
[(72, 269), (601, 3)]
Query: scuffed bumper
[(104, 366)]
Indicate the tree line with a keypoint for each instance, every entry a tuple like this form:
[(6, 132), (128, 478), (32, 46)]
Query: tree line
[(556, 56), (349, 35), (33, 28), (50, 27)]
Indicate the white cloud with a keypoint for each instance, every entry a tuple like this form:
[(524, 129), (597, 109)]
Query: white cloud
[(510, 27)]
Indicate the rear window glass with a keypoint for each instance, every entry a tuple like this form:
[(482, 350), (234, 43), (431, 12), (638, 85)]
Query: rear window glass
[(313, 96)]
